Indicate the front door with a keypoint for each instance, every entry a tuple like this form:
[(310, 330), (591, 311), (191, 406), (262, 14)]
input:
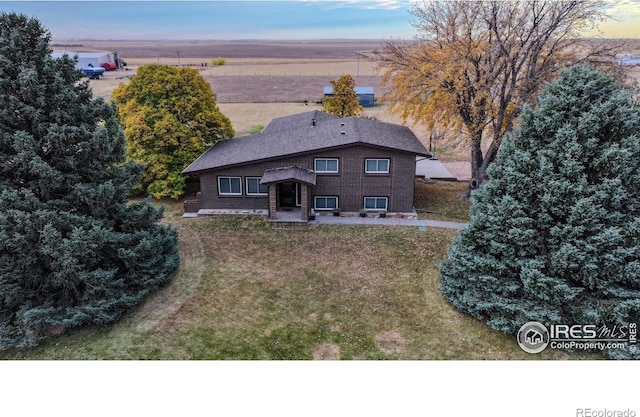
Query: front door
[(287, 194)]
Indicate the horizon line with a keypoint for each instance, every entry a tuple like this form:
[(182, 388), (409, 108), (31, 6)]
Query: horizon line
[(292, 40), (229, 40)]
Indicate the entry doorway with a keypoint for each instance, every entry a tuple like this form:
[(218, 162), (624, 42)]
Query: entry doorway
[(289, 195)]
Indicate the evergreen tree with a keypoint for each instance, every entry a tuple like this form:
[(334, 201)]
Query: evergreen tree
[(73, 251), (170, 118), (555, 231), (345, 102)]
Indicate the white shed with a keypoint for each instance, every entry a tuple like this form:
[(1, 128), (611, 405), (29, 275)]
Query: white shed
[(96, 59), (628, 59)]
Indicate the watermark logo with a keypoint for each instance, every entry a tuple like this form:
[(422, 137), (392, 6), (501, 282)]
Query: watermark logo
[(533, 337), (590, 412)]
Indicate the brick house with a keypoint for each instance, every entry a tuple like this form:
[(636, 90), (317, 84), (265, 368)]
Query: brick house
[(311, 160)]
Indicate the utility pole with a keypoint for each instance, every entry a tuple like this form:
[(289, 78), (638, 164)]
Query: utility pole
[(179, 66), (432, 138)]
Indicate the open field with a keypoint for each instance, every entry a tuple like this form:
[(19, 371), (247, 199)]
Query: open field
[(269, 66), (250, 100), (253, 72), (263, 80), (267, 80), (263, 76), (259, 81), (228, 49), (276, 89), (246, 290)]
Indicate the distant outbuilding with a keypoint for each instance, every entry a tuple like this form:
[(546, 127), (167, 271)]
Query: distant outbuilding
[(365, 95), (628, 59), (107, 60)]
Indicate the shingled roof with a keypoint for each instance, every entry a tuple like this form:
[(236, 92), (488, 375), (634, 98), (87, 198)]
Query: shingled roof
[(303, 133)]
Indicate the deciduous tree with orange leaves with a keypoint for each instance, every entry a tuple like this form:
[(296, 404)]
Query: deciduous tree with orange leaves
[(475, 64)]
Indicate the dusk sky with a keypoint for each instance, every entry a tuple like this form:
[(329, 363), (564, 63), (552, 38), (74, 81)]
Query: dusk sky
[(268, 20)]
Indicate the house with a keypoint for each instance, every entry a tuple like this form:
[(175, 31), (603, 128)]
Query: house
[(365, 95), (311, 160)]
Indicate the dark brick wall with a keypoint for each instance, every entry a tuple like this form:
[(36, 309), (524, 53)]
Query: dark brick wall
[(351, 184)]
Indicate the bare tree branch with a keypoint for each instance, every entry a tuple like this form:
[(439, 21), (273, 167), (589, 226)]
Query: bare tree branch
[(475, 64)]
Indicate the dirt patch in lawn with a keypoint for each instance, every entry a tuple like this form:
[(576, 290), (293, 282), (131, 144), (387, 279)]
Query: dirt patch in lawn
[(391, 342), (327, 352)]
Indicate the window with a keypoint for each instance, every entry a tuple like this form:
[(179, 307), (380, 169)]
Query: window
[(326, 165), (325, 203), (375, 203), (255, 188), (230, 185), (376, 166)]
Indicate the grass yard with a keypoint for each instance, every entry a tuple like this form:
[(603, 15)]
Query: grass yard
[(439, 200), (246, 290)]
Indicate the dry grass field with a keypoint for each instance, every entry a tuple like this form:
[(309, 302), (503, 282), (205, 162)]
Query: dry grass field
[(246, 290), (259, 81), (262, 80), (228, 49)]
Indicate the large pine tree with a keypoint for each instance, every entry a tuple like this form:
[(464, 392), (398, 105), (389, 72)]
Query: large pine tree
[(73, 251), (555, 231)]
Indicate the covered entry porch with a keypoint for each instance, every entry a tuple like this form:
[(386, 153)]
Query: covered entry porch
[(289, 193)]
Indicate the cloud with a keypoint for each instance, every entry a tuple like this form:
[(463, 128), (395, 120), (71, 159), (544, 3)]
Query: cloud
[(386, 4), (624, 8), (362, 4)]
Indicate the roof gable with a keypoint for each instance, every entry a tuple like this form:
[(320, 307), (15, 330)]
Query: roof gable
[(291, 173), (307, 132)]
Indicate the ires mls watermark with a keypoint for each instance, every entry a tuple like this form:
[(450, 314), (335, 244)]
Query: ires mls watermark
[(534, 337)]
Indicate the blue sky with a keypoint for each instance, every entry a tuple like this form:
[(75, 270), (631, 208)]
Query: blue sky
[(259, 19), (220, 19)]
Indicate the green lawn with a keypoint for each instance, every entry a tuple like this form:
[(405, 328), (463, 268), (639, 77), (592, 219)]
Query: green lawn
[(246, 290)]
